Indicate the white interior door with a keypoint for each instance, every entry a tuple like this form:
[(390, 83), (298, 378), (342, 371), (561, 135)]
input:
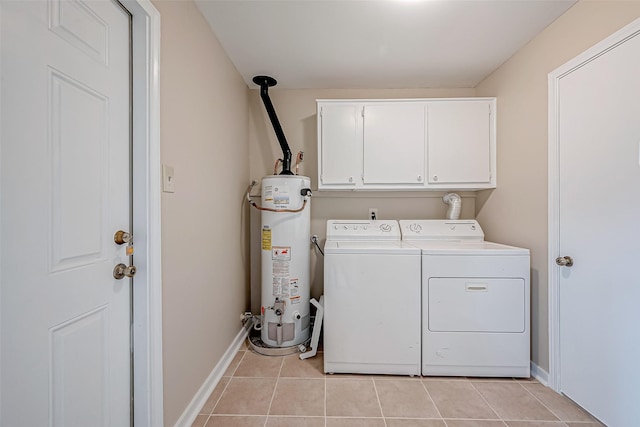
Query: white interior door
[(598, 124), (65, 177)]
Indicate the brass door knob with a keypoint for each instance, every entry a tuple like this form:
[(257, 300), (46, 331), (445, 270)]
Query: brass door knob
[(122, 237), (121, 270)]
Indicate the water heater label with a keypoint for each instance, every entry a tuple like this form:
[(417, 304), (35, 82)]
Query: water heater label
[(266, 239), (281, 253), (268, 193), (294, 291), (280, 287), (281, 260), (281, 196)]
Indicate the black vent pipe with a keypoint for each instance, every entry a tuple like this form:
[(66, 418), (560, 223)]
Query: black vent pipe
[(265, 82)]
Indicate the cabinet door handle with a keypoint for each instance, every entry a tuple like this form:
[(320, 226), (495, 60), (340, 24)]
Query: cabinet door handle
[(419, 178)]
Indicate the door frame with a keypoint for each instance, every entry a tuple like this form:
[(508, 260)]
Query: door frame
[(554, 78), (147, 291)]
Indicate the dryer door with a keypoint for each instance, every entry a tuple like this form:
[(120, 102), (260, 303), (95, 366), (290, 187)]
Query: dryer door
[(476, 305)]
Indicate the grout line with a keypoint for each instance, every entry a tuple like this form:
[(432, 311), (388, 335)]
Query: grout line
[(433, 402), (487, 402), (325, 398), (273, 395), (225, 387), (239, 362), (229, 416), (375, 389), (542, 403)]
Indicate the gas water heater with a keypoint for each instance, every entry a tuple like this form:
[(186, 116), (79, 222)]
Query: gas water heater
[(285, 237), (285, 260)]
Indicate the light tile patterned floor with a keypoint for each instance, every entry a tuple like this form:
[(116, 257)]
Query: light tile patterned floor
[(284, 391)]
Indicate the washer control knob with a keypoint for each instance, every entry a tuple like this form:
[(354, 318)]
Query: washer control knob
[(385, 227)]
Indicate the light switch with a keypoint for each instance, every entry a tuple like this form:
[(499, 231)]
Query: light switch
[(168, 180)]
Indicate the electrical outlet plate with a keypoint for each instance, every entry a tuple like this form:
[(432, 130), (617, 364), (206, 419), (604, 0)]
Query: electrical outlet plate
[(373, 213)]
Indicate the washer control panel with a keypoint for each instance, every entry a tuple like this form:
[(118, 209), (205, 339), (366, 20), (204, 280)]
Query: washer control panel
[(441, 229), (363, 230)]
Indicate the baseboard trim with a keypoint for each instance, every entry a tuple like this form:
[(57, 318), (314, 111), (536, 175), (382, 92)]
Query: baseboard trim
[(193, 409), (540, 374)]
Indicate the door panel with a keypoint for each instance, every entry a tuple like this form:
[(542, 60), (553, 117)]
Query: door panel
[(65, 177), (79, 351), (599, 183), (78, 117)]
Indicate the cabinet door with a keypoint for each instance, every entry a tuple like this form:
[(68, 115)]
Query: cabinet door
[(459, 142), (394, 140), (340, 146)]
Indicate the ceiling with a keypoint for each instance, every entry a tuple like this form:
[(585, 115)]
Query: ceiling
[(375, 44)]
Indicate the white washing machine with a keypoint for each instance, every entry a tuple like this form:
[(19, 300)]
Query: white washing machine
[(475, 301), (371, 299)]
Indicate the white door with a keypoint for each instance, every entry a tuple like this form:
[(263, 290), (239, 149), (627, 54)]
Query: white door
[(598, 124), (65, 177)]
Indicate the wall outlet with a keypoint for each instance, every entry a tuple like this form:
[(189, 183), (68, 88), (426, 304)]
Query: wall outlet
[(373, 213)]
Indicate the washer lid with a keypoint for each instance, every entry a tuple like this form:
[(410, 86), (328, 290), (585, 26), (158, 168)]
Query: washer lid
[(370, 247), (435, 247)]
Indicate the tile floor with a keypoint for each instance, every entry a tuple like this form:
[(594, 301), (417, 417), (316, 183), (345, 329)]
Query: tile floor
[(265, 391)]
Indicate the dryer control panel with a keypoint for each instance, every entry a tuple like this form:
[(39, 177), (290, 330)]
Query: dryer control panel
[(441, 229), (363, 230)]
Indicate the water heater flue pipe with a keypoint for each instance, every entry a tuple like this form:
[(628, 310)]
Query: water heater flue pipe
[(455, 205), (265, 82)]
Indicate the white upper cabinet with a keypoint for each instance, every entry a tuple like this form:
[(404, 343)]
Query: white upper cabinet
[(459, 143), (410, 144), (393, 151), (340, 130)]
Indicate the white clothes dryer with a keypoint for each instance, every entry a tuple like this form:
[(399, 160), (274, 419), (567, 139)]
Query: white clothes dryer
[(371, 299), (475, 301)]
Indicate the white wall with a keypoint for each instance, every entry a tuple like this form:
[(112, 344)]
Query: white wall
[(204, 136)]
